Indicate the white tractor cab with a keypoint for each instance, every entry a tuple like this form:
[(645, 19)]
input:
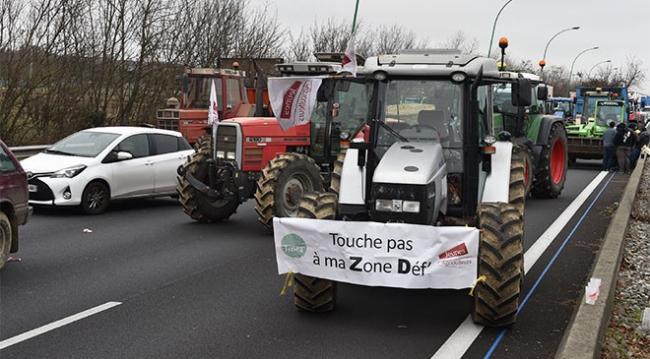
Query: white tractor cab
[(431, 198)]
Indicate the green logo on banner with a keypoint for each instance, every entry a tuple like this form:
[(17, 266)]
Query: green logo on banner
[(293, 245)]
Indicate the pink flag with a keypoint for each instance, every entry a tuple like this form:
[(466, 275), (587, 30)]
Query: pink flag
[(293, 99), (213, 115), (349, 63)]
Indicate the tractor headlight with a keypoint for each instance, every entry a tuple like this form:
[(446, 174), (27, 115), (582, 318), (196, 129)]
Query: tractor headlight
[(345, 135), (397, 205), (221, 154), (230, 155)]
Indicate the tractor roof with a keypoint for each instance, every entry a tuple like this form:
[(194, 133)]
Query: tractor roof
[(431, 64)]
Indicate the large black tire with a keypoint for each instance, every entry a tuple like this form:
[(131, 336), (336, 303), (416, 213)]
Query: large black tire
[(196, 204), (550, 173), (282, 183), (337, 169), (518, 183), (500, 263), (316, 294), (203, 143), (522, 152), (95, 197), (6, 233)]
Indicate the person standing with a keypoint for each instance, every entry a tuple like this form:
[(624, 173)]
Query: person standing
[(624, 140), (644, 140), (609, 154)]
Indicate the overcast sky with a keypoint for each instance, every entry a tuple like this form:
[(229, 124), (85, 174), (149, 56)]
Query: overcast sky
[(618, 28)]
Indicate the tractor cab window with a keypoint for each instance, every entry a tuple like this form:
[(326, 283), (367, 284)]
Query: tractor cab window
[(608, 111), (344, 103), (424, 110), (197, 91)]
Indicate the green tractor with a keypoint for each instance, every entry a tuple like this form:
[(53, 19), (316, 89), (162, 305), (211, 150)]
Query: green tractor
[(542, 138), (585, 139)]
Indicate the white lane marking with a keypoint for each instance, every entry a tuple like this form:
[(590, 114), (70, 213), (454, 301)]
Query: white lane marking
[(54, 325), (464, 336)]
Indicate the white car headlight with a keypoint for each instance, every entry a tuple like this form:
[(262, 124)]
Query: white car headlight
[(69, 172)]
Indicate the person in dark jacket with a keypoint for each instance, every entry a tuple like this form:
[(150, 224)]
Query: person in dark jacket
[(609, 153), (644, 139), (624, 140)]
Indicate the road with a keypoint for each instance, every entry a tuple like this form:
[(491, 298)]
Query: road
[(165, 286)]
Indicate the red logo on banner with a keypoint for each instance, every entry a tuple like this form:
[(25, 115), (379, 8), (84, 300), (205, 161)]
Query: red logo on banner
[(458, 251), (288, 99)]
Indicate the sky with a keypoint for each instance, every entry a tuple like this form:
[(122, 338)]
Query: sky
[(617, 28)]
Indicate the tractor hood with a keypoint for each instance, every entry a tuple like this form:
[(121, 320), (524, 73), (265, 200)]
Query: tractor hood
[(410, 163)]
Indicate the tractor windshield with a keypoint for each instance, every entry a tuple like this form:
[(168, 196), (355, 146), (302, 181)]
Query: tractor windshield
[(422, 110), (607, 111), (340, 115)]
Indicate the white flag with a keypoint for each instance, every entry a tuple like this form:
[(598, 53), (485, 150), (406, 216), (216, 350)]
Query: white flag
[(349, 63), (213, 115), (293, 99)]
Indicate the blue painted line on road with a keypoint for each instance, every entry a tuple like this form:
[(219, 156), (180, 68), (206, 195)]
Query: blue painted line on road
[(548, 266)]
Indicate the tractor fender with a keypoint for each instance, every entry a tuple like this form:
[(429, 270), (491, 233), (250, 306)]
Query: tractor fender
[(352, 190), (545, 125), (497, 182)]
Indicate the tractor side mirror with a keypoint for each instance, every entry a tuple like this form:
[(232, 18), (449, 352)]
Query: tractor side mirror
[(542, 93), (324, 92), (521, 90)]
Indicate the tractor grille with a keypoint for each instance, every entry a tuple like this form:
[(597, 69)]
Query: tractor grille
[(168, 125), (227, 138), (253, 157)]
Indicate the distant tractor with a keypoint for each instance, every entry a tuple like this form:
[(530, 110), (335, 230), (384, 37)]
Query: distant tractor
[(585, 135), (188, 113), (586, 140)]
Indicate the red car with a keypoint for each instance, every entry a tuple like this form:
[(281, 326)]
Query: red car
[(14, 208)]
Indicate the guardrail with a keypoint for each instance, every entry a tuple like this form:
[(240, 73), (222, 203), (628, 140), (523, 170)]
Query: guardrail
[(26, 151)]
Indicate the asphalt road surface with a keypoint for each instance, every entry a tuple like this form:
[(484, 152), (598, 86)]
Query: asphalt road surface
[(143, 280)]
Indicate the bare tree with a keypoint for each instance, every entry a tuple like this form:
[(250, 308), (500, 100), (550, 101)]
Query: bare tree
[(459, 41)]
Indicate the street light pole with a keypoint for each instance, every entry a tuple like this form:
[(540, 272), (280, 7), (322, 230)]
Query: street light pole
[(568, 89), (602, 62), (494, 27), (554, 36)]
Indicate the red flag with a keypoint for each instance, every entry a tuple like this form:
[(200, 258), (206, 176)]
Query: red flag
[(349, 63)]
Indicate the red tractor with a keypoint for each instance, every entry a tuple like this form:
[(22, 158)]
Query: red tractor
[(189, 114), (253, 157)]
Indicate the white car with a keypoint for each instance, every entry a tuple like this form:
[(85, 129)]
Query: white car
[(93, 166)]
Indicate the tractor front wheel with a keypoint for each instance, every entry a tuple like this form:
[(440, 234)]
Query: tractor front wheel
[(316, 294), (282, 183), (500, 265), (196, 204)]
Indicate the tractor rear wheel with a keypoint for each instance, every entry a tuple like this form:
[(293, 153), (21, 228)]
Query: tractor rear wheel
[(500, 265), (521, 151), (315, 294), (335, 180), (550, 173), (196, 204), (281, 185)]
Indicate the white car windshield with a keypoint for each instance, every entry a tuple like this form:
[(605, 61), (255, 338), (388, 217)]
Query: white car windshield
[(83, 144)]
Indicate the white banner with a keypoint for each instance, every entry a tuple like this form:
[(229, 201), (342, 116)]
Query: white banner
[(293, 99), (378, 254)]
